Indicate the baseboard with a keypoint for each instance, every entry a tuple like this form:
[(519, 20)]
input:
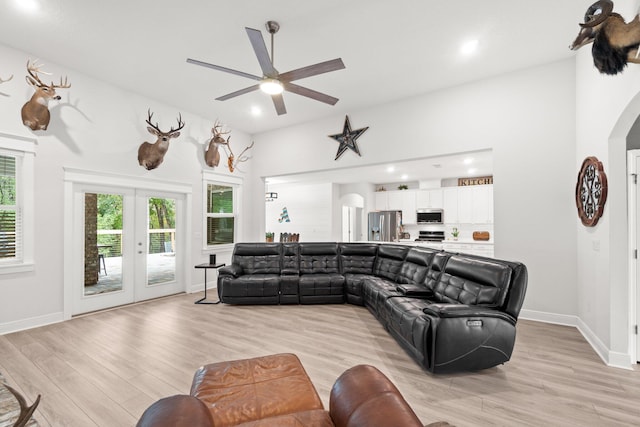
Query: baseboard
[(545, 317), (610, 358), (33, 322)]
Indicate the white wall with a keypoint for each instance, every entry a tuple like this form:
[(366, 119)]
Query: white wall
[(606, 108), (526, 117), (95, 127), (309, 207)]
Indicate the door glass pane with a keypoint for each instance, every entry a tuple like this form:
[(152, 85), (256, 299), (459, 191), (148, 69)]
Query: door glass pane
[(102, 243), (9, 223), (161, 256)]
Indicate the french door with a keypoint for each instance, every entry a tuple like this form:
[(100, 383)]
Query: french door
[(127, 246)]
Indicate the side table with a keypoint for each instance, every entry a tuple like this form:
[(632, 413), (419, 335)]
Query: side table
[(206, 267)]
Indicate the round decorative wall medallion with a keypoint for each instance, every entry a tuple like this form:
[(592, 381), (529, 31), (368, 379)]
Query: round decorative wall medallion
[(591, 191)]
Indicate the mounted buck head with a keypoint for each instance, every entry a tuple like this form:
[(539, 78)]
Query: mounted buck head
[(35, 113), (212, 155), (232, 162), (151, 155), (614, 41)]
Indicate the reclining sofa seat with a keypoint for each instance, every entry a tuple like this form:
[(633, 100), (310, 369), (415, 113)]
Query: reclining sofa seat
[(356, 264), (253, 276), (320, 279), (468, 323), (451, 312)]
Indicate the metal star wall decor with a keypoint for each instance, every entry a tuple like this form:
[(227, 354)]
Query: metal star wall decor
[(347, 138)]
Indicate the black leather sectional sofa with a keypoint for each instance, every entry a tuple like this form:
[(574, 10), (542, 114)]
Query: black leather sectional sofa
[(451, 312)]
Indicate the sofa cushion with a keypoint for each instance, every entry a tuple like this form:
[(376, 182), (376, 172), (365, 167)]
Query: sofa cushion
[(258, 258), (251, 389), (389, 261), (415, 266), (473, 281), (357, 258), (319, 258), (290, 259), (435, 270)]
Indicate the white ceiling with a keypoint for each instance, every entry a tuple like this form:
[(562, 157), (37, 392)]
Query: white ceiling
[(392, 50)]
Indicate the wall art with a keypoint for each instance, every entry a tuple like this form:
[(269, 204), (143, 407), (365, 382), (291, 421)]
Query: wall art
[(348, 138), (591, 191)]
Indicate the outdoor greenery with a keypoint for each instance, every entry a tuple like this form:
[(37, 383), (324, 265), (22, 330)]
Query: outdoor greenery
[(7, 207), (162, 215)]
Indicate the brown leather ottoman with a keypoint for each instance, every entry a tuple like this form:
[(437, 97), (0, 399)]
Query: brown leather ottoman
[(246, 390)]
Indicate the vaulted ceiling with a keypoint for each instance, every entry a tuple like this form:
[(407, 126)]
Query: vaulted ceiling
[(392, 50)]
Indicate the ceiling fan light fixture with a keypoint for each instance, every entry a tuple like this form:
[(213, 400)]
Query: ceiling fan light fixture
[(271, 87)]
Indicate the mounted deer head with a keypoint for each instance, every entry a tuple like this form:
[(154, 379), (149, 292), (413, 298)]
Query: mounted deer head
[(232, 162), (614, 41), (35, 113), (5, 80), (150, 156), (212, 155)]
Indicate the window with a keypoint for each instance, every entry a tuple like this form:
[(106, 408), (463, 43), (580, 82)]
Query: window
[(10, 220), (16, 204), (220, 214)]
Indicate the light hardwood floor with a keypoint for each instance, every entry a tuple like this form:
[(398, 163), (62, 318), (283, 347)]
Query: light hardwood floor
[(104, 369)]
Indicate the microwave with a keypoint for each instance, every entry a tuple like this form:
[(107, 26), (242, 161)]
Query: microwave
[(429, 216)]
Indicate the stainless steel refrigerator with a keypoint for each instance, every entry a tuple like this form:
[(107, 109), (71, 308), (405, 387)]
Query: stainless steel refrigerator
[(384, 226)]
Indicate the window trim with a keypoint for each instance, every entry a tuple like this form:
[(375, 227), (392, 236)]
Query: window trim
[(236, 184), (24, 149)]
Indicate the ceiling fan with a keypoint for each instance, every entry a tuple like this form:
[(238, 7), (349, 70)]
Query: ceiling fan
[(272, 82)]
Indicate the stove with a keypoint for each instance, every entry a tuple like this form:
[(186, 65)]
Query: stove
[(430, 236)]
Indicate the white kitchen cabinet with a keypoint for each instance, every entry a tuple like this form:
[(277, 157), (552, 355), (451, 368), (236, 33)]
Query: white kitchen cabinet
[(394, 200), (482, 204), (408, 207), (475, 205), (465, 205), (450, 205), (402, 200), (429, 198), (381, 201)]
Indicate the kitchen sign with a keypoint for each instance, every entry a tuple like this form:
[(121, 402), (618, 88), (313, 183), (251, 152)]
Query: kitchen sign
[(480, 180)]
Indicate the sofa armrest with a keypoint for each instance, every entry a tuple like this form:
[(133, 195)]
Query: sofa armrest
[(176, 411), (464, 310), (364, 396), (414, 291), (234, 270)]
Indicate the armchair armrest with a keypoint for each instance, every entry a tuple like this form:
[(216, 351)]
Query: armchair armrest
[(464, 310), (414, 291), (230, 270)]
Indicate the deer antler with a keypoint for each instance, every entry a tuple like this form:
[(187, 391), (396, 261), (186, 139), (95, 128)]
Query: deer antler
[(34, 69), (180, 124), (231, 160), (150, 114), (25, 411), (3, 81)]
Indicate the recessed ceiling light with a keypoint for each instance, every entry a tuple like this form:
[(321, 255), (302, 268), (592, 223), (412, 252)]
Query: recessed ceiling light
[(472, 171), (30, 6), (468, 161), (256, 111), (391, 169), (404, 177), (469, 47)]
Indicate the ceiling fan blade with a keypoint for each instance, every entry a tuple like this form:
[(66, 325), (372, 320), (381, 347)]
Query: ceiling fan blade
[(310, 93), (312, 70), (278, 102), (255, 37), (238, 93), (225, 69)]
